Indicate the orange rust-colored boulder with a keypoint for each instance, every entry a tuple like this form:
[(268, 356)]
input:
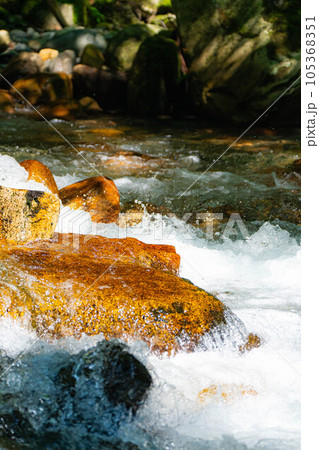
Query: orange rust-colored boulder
[(41, 173), (6, 102), (111, 286), (89, 105), (44, 87), (61, 109), (97, 195)]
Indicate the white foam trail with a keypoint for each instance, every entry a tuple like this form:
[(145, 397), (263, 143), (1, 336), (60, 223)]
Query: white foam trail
[(259, 278), (12, 175)]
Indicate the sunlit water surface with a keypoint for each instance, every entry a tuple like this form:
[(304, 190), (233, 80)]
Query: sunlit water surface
[(197, 399)]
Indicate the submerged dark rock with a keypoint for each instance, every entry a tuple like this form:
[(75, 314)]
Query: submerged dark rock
[(53, 400), (154, 80), (124, 46), (106, 87)]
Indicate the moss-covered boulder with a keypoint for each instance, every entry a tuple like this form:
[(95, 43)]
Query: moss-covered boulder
[(241, 55), (154, 77), (92, 56), (124, 46), (167, 21), (116, 15)]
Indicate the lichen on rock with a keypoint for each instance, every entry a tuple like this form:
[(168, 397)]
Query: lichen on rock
[(26, 215)]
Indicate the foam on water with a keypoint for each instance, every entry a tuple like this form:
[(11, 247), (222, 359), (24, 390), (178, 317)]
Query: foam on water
[(259, 279), (74, 221), (12, 175)]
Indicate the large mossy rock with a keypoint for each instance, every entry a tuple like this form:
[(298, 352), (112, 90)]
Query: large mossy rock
[(92, 56), (123, 47), (241, 55), (154, 77), (74, 284), (71, 401)]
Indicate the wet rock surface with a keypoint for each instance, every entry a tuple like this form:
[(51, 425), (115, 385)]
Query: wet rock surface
[(26, 215), (43, 88), (64, 62), (53, 400), (97, 195), (76, 40), (135, 295), (40, 173)]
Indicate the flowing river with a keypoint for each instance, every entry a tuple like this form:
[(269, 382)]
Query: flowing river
[(250, 257)]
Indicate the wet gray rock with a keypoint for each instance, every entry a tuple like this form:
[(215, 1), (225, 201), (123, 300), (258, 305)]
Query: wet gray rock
[(76, 39), (64, 62), (53, 400), (22, 47), (19, 36), (31, 33)]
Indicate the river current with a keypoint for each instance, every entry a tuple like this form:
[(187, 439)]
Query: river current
[(217, 399)]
